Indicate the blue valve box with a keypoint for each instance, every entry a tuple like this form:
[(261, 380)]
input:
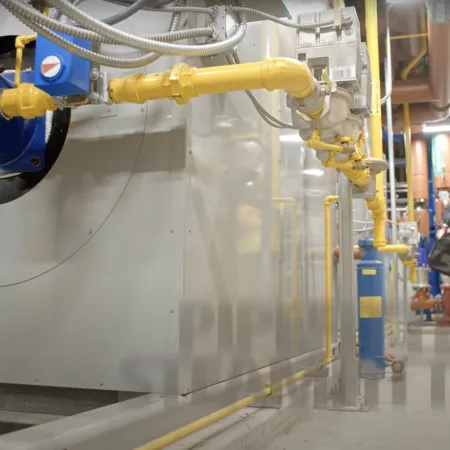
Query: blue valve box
[(59, 72)]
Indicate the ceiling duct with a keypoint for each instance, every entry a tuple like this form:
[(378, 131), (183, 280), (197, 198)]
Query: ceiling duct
[(438, 10)]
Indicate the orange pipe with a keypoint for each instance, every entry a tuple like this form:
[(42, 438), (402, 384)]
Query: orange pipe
[(417, 90)]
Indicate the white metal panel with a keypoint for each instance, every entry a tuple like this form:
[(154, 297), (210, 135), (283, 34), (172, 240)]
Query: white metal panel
[(152, 246)]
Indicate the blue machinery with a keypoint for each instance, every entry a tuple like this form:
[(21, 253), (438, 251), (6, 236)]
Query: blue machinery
[(22, 146), (370, 278), (57, 72)]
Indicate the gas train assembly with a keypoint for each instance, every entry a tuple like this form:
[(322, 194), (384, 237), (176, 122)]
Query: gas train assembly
[(204, 203)]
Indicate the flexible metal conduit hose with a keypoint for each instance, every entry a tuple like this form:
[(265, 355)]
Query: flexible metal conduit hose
[(126, 13), (56, 14), (121, 15), (29, 15), (148, 44), (150, 3), (288, 23), (107, 60)]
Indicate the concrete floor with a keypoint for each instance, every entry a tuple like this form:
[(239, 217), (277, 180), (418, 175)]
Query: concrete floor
[(412, 413)]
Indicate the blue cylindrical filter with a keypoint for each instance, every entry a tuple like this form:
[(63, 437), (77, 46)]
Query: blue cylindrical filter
[(370, 312)]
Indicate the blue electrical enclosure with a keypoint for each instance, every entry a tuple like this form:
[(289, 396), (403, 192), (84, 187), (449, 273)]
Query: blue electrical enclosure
[(370, 312), (23, 141), (59, 72)]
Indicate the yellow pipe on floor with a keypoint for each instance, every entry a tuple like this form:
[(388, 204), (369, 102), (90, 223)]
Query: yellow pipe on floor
[(200, 424), (182, 82), (26, 101), (20, 43), (328, 278)]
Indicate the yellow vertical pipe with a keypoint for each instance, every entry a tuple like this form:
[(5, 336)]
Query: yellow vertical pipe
[(20, 43), (376, 137), (376, 134), (328, 270), (18, 68)]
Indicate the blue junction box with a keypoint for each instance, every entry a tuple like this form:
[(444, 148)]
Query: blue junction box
[(59, 72)]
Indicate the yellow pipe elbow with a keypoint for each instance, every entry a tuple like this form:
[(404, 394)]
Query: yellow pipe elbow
[(316, 144), (25, 101), (377, 206), (20, 43), (331, 199), (181, 83), (398, 248)]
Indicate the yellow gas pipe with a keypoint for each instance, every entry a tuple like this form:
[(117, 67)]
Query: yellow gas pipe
[(408, 36), (328, 279), (21, 42), (182, 82), (26, 101), (200, 424), (378, 204)]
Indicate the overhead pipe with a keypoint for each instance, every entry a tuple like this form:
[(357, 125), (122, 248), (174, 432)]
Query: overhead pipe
[(418, 114), (436, 88)]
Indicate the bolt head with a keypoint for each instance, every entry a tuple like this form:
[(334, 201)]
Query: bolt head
[(95, 74)]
